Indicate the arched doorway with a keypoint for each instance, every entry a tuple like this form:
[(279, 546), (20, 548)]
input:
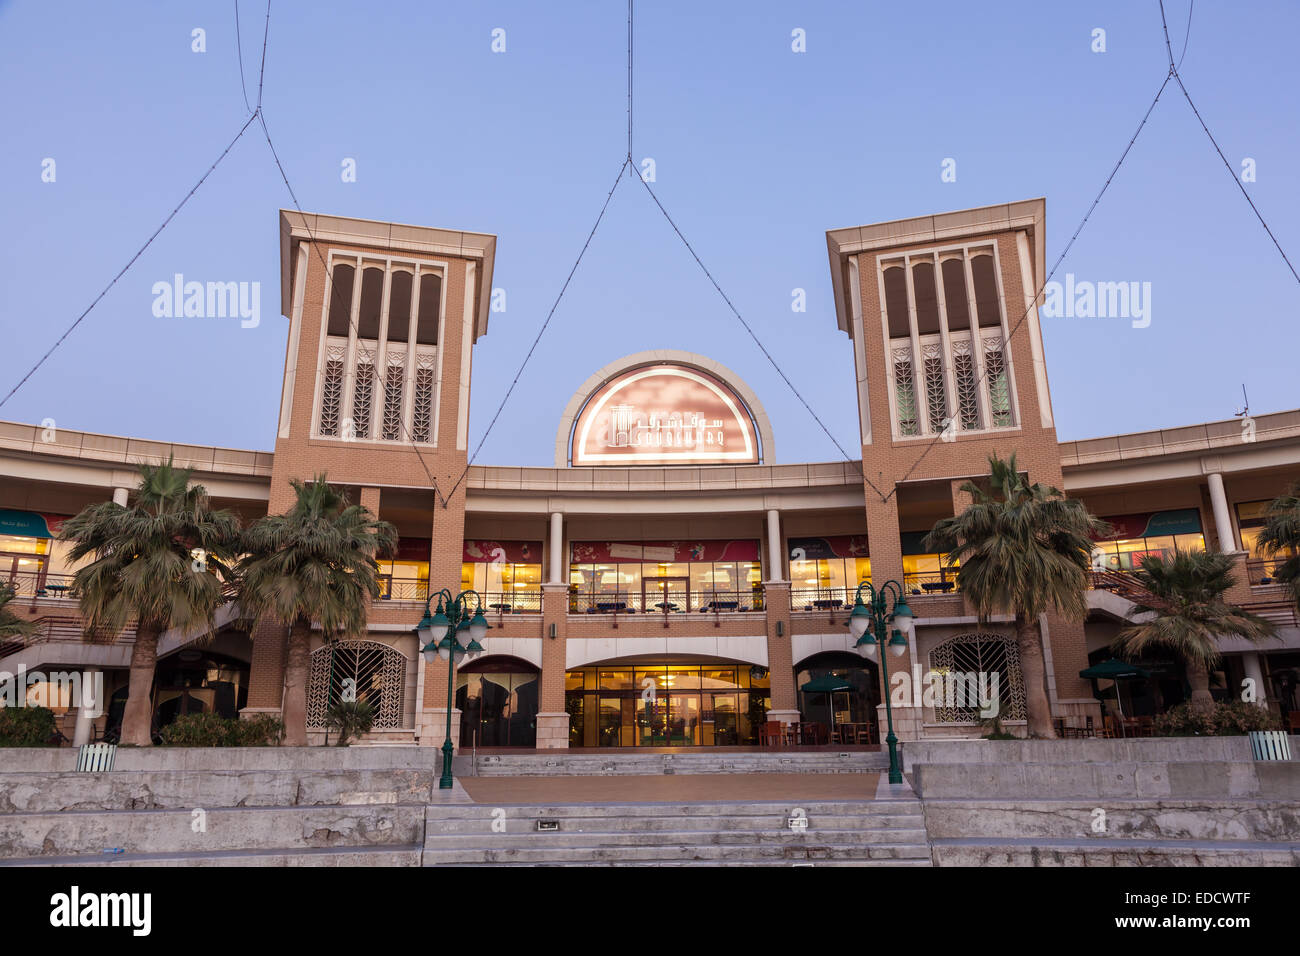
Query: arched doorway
[(855, 706), (497, 698)]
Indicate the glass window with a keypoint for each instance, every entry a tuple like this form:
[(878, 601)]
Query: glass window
[(399, 307), (341, 300), (426, 325)]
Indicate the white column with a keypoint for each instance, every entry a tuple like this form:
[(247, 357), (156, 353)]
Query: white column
[(775, 552), (88, 706), (557, 548), (119, 496), (1222, 519), (1250, 662)]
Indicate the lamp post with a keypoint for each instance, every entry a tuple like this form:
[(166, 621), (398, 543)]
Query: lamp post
[(441, 633), (875, 615)]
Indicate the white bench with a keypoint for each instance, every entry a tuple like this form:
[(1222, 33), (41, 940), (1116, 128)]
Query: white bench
[(95, 758), (1270, 745)]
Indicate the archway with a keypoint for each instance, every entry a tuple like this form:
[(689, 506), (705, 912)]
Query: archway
[(855, 706), (497, 697)]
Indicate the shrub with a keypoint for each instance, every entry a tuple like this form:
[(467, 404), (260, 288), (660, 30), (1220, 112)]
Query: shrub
[(212, 730), (26, 726), (350, 719), (1223, 720)]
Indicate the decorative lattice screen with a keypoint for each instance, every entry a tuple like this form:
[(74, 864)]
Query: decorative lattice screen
[(371, 671), (962, 660)]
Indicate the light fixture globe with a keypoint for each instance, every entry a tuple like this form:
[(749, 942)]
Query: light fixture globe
[(478, 627), (860, 619), (866, 646), (430, 652), (903, 616), (897, 643), (438, 625)]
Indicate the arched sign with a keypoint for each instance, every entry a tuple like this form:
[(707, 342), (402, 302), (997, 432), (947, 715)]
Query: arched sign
[(664, 414)]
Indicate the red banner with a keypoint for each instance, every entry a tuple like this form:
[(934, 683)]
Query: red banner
[(666, 552), (502, 552)]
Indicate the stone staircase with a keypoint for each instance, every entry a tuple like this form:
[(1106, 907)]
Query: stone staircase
[(837, 833), (564, 763)]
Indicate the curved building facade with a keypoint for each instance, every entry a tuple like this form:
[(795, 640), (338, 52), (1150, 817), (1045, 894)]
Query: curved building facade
[(667, 583)]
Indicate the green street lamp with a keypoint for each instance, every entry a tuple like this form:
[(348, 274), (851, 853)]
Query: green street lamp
[(442, 633), (873, 615)]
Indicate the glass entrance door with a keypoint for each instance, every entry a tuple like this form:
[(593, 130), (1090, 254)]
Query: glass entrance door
[(660, 595)]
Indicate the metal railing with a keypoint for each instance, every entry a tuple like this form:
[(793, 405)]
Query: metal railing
[(931, 582), (1263, 571), (494, 602), (821, 599), (40, 584), (691, 602)]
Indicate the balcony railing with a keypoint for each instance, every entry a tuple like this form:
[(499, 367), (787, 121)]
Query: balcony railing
[(683, 602), (40, 584), (821, 599), (494, 602), (1264, 571), (931, 582)]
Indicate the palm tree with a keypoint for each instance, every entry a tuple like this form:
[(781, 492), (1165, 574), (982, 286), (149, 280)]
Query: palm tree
[(144, 566), (1022, 549), (1281, 535), (1189, 615), (11, 625), (315, 562)]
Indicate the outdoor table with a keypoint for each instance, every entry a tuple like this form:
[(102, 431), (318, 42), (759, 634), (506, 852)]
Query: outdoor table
[(58, 589), (500, 608), (938, 586), (605, 607), (666, 606), (827, 604)]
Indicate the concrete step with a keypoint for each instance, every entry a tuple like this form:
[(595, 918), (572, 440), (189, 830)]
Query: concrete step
[(1113, 852), (743, 853), (565, 763), (481, 826), (713, 864), (587, 838), (679, 810), (324, 856), (37, 792), (77, 832)]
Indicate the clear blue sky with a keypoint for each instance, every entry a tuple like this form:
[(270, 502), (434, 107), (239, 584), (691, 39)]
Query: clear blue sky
[(759, 151)]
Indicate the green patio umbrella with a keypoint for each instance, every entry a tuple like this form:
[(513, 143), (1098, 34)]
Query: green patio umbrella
[(1116, 671), (827, 684)]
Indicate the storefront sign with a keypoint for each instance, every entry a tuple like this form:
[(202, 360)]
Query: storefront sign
[(1154, 524), (664, 415), (666, 552), (502, 552), (30, 524)]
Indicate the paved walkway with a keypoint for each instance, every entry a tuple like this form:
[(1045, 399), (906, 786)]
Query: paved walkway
[(704, 787)]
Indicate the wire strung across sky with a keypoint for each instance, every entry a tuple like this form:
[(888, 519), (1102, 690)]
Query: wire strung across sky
[(630, 165)]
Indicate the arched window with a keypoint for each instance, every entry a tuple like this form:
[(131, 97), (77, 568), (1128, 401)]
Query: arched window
[(986, 291), (399, 307), (372, 300), (900, 325), (426, 326), (357, 670), (341, 300), (977, 675)]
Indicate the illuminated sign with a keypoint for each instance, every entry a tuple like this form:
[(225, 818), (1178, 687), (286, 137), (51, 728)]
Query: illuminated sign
[(664, 415)]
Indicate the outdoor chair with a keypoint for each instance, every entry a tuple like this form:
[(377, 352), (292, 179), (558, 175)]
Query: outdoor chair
[(770, 734)]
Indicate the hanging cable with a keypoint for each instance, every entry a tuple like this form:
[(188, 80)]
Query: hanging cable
[(130, 262), (542, 331)]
